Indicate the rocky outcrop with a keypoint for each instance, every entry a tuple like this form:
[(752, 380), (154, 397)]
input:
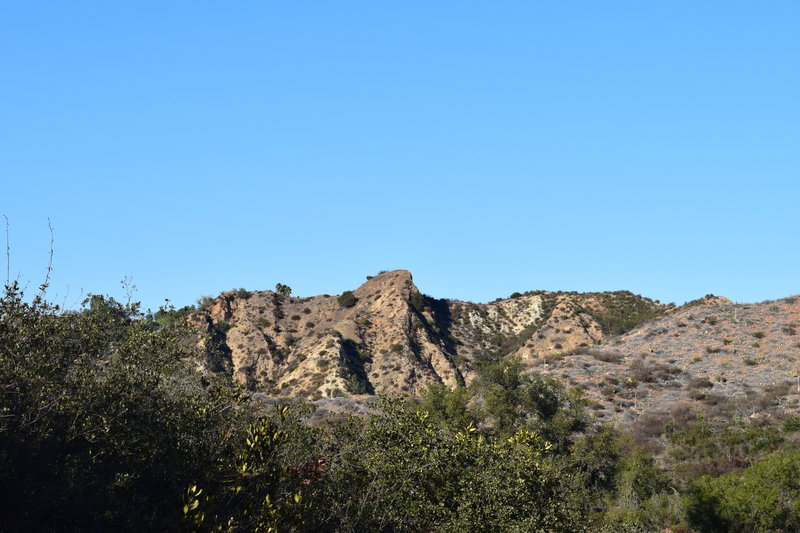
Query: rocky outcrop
[(324, 347), (387, 337), (631, 356)]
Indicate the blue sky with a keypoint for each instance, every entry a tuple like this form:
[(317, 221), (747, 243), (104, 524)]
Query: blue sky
[(488, 147)]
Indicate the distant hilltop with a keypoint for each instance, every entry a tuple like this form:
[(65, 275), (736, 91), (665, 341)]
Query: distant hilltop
[(630, 354)]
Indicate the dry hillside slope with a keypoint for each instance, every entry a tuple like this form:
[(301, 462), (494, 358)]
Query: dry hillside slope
[(704, 354), (631, 355), (387, 337)]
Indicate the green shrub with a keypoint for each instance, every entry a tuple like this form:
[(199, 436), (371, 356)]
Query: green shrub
[(417, 301), (347, 299), (99, 410), (403, 472), (763, 498), (243, 294), (204, 303)]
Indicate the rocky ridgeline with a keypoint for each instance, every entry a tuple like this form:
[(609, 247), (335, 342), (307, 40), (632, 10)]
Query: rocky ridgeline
[(389, 338), (321, 347)]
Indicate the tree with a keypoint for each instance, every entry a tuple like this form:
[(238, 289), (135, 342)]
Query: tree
[(103, 423), (399, 471), (763, 498), (283, 290)]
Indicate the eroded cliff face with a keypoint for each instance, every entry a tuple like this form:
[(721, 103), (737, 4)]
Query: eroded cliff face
[(392, 339), (312, 347)]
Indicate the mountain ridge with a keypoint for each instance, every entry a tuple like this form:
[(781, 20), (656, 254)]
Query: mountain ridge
[(631, 355)]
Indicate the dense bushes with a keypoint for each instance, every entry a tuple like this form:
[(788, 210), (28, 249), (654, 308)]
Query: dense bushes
[(402, 472), (106, 425), (102, 425), (765, 497)]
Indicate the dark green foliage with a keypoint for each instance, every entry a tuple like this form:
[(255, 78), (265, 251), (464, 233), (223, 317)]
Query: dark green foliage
[(514, 399), (283, 290), (258, 489), (169, 317), (763, 498), (102, 425), (404, 473), (243, 294), (598, 456), (347, 299), (418, 301), (448, 407)]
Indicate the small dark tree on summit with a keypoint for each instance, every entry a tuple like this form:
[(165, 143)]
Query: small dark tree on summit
[(283, 290)]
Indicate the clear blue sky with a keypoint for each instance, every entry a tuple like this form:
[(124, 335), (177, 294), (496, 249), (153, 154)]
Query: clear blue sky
[(488, 147)]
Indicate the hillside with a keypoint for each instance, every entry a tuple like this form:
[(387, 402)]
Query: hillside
[(631, 355), (390, 338), (696, 411), (706, 353)]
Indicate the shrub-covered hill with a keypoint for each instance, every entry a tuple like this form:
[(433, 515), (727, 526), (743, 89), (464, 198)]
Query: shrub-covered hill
[(107, 423)]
